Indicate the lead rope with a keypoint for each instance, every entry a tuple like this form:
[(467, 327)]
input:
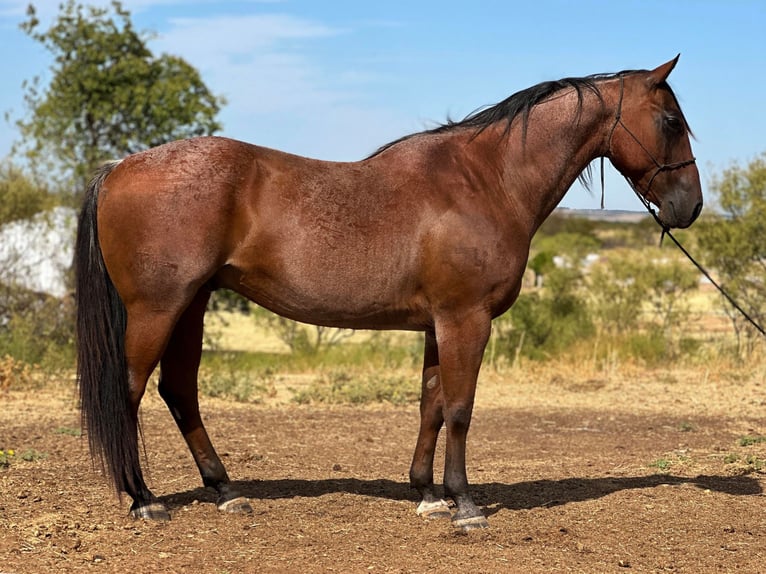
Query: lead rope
[(721, 290)]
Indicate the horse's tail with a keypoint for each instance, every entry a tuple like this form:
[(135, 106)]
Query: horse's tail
[(101, 363)]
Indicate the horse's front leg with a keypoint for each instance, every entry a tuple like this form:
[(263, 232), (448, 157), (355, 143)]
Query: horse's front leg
[(431, 421), (461, 343)]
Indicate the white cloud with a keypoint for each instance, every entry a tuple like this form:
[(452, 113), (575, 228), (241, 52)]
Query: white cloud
[(230, 35), (261, 63), (250, 56)]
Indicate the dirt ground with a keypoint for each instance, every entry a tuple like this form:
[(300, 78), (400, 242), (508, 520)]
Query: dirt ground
[(621, 472)]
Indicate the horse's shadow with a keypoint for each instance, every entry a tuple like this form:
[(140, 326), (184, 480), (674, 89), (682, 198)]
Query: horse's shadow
[(493, 496)]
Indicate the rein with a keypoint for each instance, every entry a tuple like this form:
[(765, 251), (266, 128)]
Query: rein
[(721, 290), (643, 198)]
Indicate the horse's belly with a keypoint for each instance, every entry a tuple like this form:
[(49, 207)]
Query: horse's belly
[(351, 291)]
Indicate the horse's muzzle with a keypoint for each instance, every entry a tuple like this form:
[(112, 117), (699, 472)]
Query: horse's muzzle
[(678, 210)]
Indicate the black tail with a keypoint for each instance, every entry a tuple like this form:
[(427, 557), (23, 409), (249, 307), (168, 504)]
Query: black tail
[(101, 363)]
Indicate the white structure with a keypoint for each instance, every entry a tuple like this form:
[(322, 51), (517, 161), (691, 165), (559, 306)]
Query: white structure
[(36, 253)]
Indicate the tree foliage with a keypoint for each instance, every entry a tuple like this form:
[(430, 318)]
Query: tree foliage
[(734, 242), (108, 96)]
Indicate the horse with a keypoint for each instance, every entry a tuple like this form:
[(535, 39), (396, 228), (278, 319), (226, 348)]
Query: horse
[(430, 233)]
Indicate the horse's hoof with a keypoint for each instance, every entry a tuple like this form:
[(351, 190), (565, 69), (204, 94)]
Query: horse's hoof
[(151, 511), (472, 523), (434, 510), (238, 505)]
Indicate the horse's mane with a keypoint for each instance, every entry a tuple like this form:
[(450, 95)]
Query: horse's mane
[(519, 104)]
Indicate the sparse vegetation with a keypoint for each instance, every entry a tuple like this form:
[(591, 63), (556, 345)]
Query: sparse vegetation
[(224, 376), (341, 387), (32, 455), (661, 464), (686, 426), (6, 457), (751, 440)]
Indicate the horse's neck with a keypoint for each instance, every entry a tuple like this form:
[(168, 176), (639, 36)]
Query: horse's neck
[(559, 144)]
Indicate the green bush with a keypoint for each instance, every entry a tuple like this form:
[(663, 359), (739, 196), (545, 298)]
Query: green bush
[(20, 196), (226, 375), (36, 329), (546, 322), (340, 387), (648, 347)]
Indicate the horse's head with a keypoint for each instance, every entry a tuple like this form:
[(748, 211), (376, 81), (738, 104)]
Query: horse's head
[(649, 144)]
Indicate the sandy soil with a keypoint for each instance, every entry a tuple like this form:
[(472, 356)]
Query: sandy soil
[(618, 472)]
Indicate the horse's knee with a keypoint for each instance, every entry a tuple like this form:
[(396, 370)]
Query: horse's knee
[(458, 417)]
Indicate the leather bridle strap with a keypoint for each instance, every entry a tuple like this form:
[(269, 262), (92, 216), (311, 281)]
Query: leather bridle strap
[(660, 167)]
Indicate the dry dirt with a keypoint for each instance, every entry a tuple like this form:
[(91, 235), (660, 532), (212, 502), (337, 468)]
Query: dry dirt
[(618, 472)]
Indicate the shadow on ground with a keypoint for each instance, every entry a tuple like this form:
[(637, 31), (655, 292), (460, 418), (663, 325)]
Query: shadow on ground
[(493, 496)]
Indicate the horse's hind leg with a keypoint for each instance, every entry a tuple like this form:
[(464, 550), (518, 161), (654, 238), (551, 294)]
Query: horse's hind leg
[(145, 338), (431, 421), (178, 387)]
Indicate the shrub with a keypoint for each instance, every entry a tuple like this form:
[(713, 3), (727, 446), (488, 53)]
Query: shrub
[(36, 329), (340, 387), (548, 321), (225, 376), (14, 373)]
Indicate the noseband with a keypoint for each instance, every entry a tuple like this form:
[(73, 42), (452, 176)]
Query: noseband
[(660, 167)]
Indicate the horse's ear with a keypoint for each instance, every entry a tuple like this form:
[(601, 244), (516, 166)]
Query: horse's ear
[(661, 73)]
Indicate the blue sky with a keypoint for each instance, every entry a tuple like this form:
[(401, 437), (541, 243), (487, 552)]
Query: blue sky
[(335, 80)]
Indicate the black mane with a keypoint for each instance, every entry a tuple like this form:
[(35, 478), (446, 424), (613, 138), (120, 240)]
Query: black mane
[(518, 104)]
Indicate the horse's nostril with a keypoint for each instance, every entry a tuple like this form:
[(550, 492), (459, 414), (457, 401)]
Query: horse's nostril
[(697, 211)]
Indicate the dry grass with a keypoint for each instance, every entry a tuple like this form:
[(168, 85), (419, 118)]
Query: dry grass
[(725, 389)]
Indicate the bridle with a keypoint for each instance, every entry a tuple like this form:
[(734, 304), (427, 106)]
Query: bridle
[(660, 167)]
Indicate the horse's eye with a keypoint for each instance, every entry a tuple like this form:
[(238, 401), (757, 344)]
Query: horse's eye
[(674, 123)]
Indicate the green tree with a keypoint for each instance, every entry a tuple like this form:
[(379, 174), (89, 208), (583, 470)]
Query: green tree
[(733, 243), (108, 95), (541, 263), (569, 246), (558, 223), (573, 247)]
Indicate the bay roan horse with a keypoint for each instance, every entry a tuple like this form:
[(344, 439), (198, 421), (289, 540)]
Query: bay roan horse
[(430, 233)]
